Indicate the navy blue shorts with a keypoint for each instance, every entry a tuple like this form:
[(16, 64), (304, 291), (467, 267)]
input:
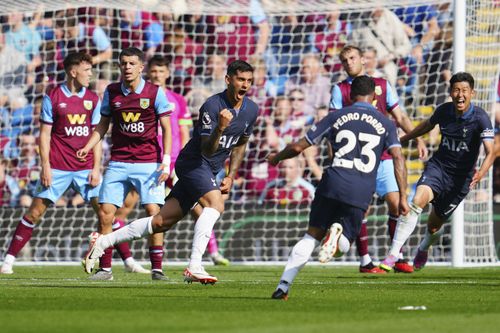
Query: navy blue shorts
[(326, 211), (449, 190), (193, 183)]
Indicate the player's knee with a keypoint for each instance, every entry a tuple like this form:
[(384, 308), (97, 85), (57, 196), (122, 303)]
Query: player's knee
[(105, 217), (36, 211)]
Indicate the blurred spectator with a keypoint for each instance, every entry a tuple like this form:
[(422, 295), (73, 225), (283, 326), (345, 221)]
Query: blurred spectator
[(370, 55), (281, 127), (239, 37), (385, 33), (26, 168), (24, 39), (140, 29), (421, 26), (437, 71), (312, 81), (187, 56), (299, 117), (209, 83), (86, 37), (262, 89), (330, 38), (290, 188), (290, 38), (13, 66), (9, 189)]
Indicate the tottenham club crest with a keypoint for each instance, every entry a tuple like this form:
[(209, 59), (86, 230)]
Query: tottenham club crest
[(87, 105), (144, 103)]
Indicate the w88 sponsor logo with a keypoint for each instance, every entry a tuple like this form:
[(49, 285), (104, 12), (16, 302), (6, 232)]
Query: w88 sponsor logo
[(77, 130), (132, 127)]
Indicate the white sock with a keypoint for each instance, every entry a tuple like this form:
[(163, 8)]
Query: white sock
[(430, 239), (202, 231), (344, 246), (135, 230), (130, 261), (9, 260), (298, 258), (404, 229), (365, 260)]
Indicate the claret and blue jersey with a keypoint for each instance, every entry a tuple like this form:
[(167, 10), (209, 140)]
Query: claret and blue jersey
[(358, 135), (241, 125)]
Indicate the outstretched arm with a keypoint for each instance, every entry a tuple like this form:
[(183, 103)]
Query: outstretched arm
[(407, 126), (421, 129), (489, 148), (400, 173), (290, 151)]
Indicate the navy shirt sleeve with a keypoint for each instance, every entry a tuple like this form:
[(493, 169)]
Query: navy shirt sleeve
[(321, 129), (391, 138), (486, 130), (437, 116), (209, 118)]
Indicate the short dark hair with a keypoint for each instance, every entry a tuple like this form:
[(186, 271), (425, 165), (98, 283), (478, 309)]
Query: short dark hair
[(238, 66), (349, 48), (75, 59), (362, 86), (462, 77), (132, 51), (158, 60)]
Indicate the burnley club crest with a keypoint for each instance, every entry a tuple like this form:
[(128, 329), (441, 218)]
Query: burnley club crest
[(144, 103)]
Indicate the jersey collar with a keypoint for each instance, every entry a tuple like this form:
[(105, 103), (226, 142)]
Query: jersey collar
[(226, 100), (126, 91), (467, 113), (68, 93), (364, 104)]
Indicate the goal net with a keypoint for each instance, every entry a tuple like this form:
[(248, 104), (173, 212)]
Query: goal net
[(294, 46)]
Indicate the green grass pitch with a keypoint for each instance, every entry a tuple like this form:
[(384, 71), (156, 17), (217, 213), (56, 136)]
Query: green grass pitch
[(323, 299)]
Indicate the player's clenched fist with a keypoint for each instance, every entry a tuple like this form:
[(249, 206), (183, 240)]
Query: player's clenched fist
[(225, 117)]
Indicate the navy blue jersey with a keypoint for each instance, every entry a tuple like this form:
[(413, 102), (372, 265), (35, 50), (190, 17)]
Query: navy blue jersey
[(241, 125), (358, 134), (461, 138)]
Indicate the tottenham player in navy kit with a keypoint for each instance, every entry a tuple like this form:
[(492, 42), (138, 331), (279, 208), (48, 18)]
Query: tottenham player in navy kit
[(226, 123), (358, 135), (450, 174)]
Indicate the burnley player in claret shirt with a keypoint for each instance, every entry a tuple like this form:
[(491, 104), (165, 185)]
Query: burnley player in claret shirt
[(226, 123), (451, 172), (135, 107), (69, 112)]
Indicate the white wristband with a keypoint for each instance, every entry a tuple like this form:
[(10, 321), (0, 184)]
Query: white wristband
[(166, 163)]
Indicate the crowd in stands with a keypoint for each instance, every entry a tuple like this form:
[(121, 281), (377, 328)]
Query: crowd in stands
[(295, 58)]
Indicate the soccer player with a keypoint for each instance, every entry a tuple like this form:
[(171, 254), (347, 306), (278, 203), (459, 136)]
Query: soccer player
[(135, 107), (358, 134), (386, 102), (226, 123), (450, 174), (68, 114)]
